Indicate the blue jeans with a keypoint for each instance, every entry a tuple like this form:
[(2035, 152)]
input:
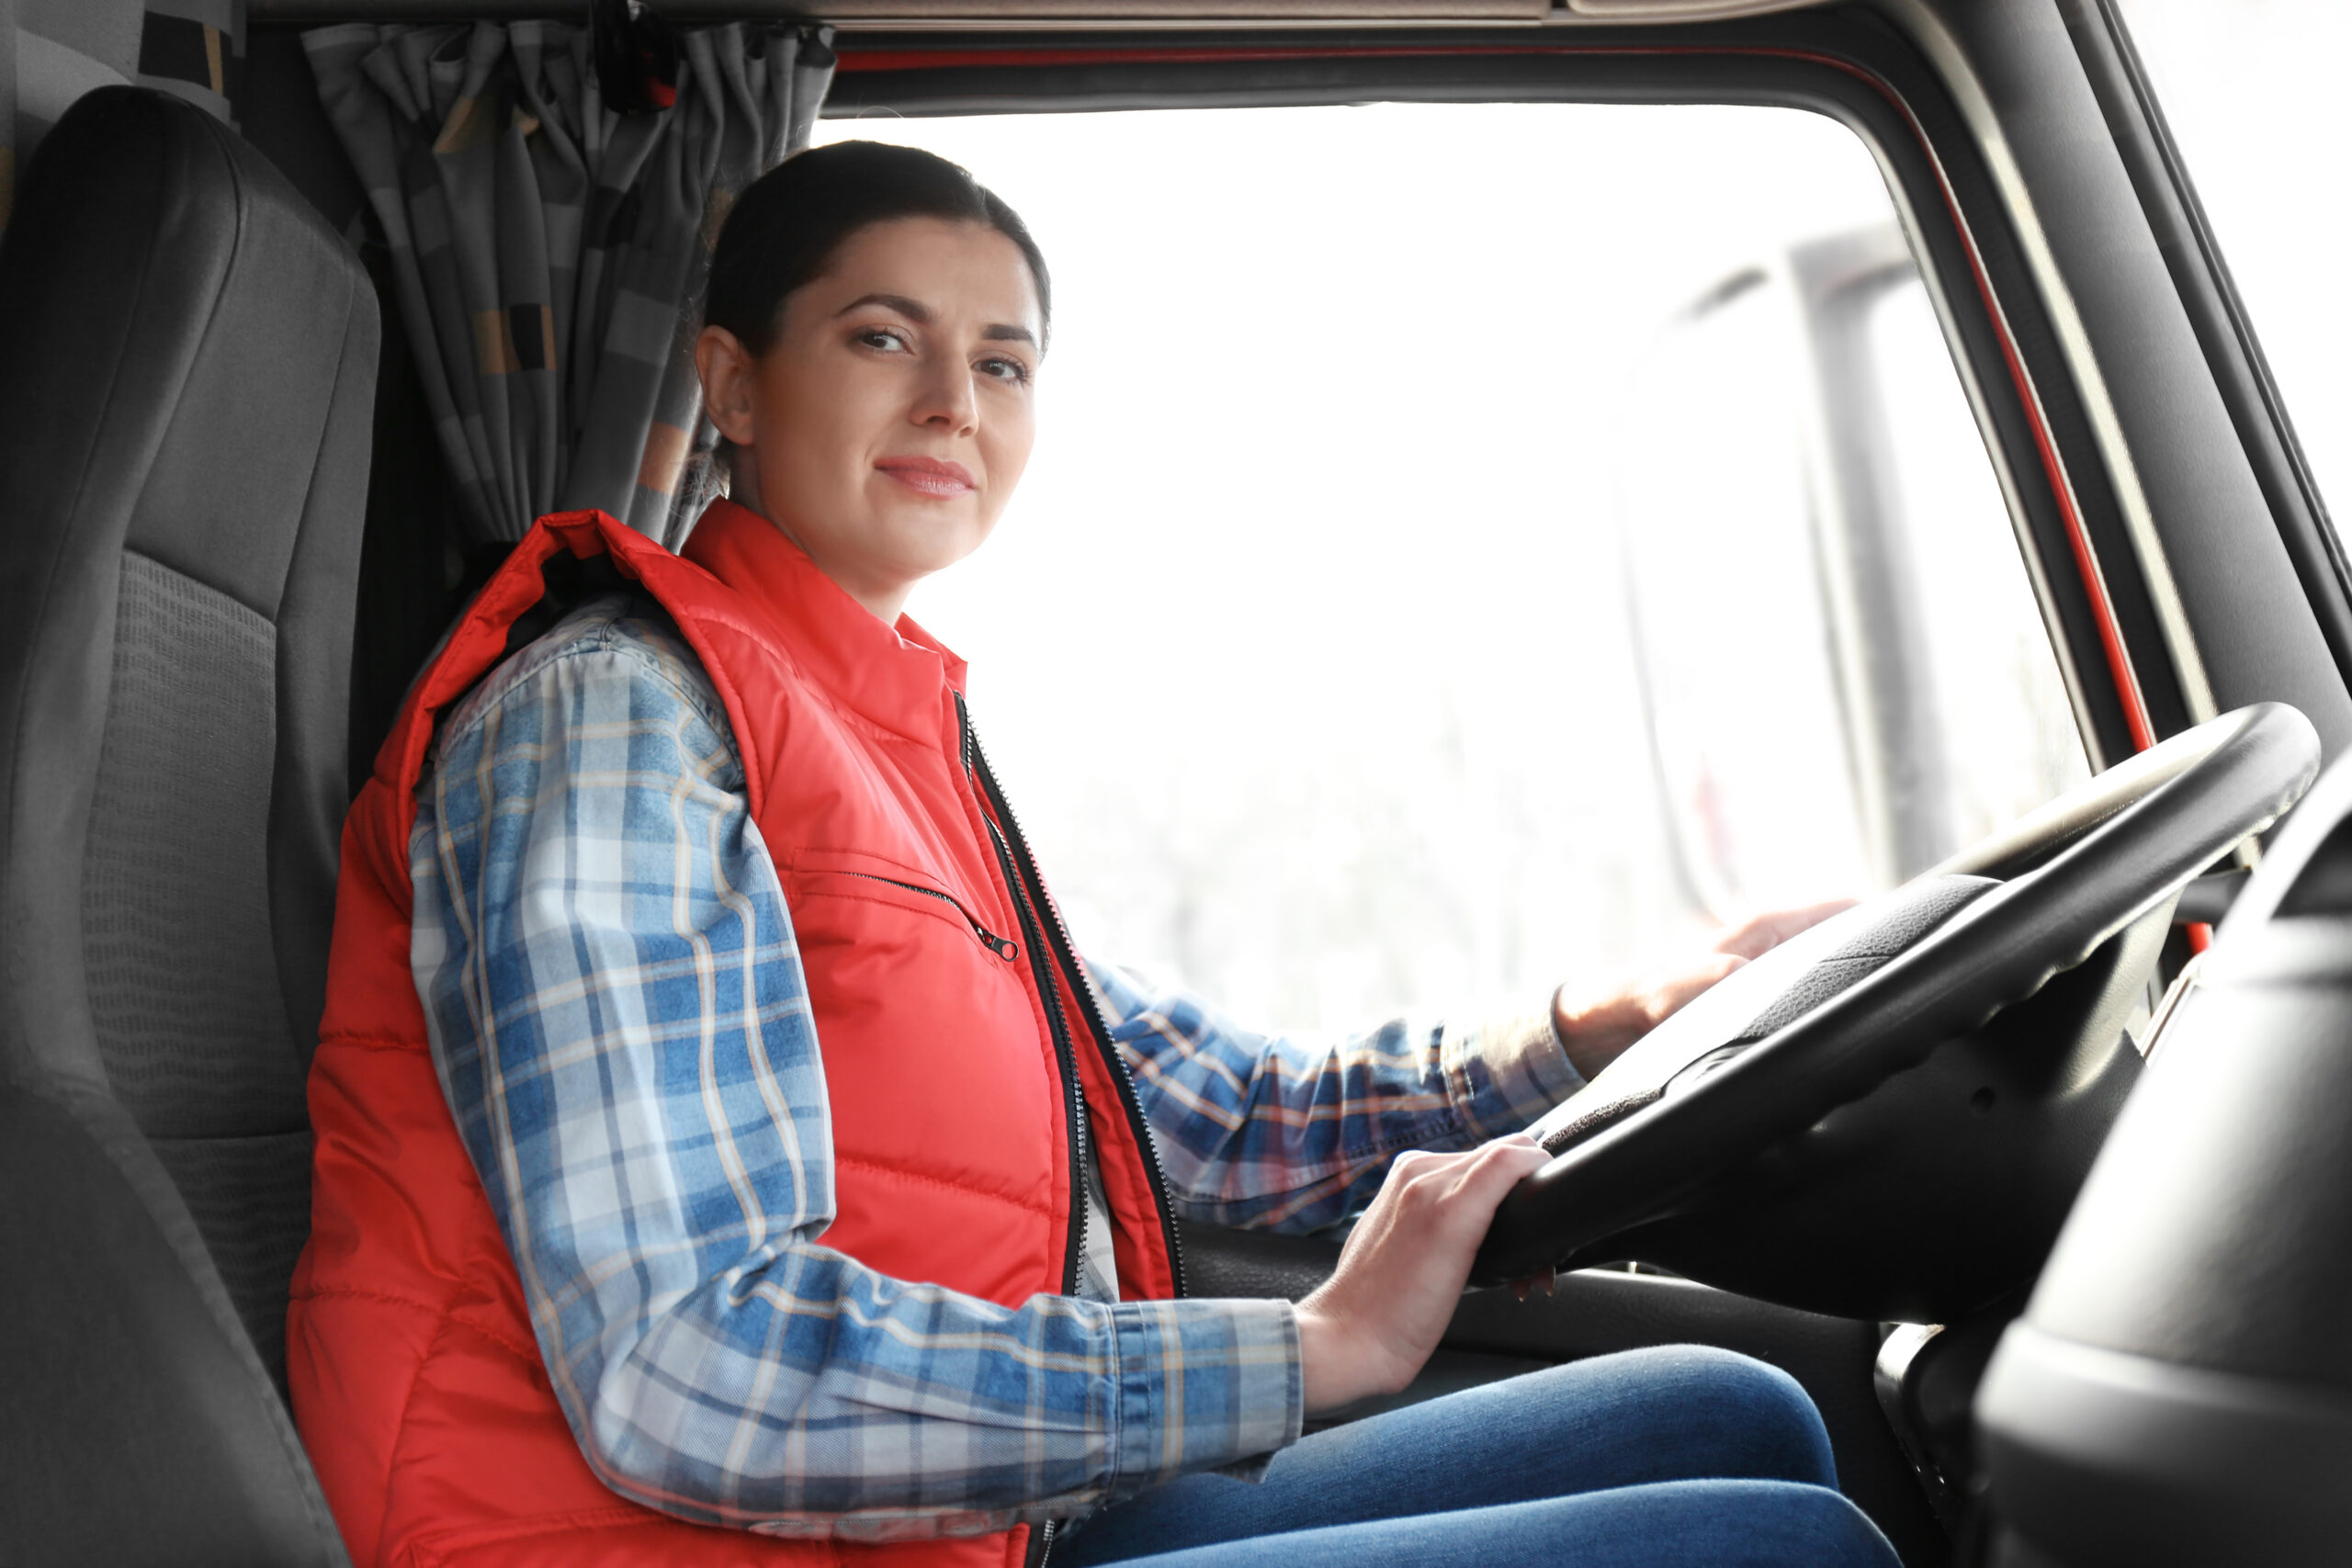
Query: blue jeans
[(1671, 1456)]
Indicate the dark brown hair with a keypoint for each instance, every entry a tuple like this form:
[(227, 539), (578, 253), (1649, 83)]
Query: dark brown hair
[(789, 223)]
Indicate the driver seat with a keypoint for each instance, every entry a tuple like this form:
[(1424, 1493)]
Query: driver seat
[(187, 359)]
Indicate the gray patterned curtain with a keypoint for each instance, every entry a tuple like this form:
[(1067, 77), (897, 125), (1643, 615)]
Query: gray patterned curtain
[(547, 249)]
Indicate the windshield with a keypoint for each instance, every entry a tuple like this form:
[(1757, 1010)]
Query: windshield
[(2251, 91), (1468, 544)]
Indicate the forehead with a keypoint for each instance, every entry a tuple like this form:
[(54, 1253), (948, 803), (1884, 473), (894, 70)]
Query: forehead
[(956, 269)]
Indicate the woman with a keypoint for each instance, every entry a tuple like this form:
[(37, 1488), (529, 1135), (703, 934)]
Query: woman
[(606, 1251)]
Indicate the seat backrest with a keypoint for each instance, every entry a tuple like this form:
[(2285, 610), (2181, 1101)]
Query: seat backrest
[(187, 359)]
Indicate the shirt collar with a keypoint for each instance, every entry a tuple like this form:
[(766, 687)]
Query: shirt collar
[(891, 674)]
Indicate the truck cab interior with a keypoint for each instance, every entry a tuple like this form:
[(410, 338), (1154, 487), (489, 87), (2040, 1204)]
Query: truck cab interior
[(2027, 1167)]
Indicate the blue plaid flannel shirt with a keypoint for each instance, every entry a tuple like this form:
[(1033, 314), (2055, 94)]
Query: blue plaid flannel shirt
[(620, 1023)]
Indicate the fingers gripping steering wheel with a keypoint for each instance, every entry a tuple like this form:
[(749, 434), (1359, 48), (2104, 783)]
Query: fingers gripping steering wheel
[(1707, 1107)]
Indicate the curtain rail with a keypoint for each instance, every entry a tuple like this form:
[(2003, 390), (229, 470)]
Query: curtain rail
[(933, 14)]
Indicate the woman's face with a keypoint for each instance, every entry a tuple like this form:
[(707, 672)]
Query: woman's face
[(887, 423)]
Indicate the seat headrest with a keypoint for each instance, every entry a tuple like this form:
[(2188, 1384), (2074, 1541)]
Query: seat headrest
[(164, 294)]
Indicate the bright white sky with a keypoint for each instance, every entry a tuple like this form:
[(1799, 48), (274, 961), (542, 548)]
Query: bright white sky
[(2253, 92), (1302, 649)]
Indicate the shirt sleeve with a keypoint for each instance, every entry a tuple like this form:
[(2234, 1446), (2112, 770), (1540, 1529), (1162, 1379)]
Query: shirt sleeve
[(618, 1015), (1295, 1131)]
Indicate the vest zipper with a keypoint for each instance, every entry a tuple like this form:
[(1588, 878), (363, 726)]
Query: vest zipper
[(1073, 1097), (1065, 1057), (1003, 947), (1057, 935)]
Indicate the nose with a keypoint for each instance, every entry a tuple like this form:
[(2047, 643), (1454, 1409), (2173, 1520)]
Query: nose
[(947, 402)]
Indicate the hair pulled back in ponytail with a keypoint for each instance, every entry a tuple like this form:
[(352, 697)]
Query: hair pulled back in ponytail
[(789, 223)]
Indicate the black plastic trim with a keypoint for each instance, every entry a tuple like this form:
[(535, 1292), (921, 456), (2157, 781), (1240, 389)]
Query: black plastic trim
[(2165, 427), (2082, 1438), (1597, 1312)]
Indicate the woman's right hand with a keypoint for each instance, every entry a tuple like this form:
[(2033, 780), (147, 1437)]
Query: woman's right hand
[(1370, 1326)]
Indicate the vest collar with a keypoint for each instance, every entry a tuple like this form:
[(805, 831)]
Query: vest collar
[(892, 676)]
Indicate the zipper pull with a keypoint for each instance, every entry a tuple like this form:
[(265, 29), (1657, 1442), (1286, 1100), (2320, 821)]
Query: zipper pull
[(1002, 947)]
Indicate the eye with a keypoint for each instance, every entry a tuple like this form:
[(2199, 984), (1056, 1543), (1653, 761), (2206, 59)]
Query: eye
[(888, 340), (999, 368)]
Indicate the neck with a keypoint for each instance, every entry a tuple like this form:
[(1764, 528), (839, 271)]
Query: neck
[(883, 604)]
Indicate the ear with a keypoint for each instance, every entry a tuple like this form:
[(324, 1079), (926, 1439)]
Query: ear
[(729, 373)]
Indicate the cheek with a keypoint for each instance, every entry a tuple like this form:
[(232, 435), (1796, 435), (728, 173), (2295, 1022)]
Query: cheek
[(822, 419), (1005, 443)]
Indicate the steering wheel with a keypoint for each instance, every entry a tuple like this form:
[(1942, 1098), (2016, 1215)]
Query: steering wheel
[(1697, 1143)]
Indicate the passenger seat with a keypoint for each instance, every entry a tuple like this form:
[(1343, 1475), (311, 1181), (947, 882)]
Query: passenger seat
[(187, 359)]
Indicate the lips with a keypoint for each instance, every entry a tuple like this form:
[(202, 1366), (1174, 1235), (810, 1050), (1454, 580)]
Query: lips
[(929, 476)]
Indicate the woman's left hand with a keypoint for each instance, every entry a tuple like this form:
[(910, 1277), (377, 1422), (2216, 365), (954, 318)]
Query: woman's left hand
[(1596, 1030)]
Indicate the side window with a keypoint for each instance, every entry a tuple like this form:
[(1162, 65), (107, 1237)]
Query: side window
[(2249, 95), (1470, 546), (1844, 672)]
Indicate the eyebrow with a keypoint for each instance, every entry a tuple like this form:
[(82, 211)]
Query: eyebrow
[(921, 314)]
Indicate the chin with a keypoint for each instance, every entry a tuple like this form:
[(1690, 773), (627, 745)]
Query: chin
[(923, 545)]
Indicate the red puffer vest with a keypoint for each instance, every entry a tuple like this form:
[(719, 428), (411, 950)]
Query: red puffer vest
[(417, 1381)]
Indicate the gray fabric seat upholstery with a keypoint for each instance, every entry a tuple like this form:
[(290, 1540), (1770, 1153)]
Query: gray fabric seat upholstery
[(188, 360)]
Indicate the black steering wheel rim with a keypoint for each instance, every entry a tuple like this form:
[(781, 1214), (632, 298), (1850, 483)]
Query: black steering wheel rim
[(2071, 876)]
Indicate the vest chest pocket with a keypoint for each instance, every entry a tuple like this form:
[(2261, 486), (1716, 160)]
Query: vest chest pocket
[(886, 942), (894, 886), (1003, 947), (938, 1065)]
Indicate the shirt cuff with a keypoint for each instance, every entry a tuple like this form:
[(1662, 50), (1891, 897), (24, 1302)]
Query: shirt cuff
[(1504, 1075), (1203, 1384)]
